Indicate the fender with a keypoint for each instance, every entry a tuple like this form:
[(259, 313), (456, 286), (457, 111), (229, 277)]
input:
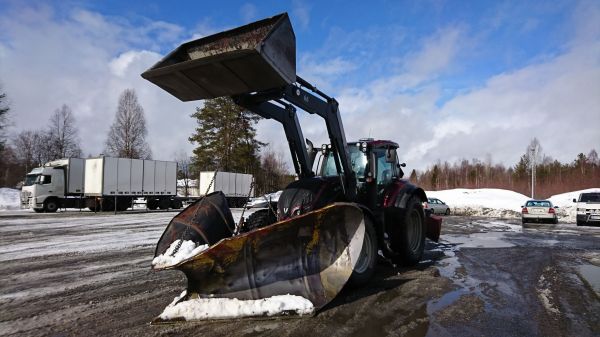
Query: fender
[(394, 204)]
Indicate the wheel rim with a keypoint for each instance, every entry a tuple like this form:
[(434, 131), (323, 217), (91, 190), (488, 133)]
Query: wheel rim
[(414, 231), (366, 255)]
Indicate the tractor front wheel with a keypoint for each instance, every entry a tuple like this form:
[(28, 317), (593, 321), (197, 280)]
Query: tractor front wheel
[(365, 266), (406, 241)]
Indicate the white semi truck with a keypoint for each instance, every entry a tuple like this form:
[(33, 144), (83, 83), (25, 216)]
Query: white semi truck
[(103, 183)]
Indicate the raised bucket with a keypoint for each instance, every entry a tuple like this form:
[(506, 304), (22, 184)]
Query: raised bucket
[(255, 57)]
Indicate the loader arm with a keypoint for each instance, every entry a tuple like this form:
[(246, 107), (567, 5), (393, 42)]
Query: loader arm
[(308, 98)]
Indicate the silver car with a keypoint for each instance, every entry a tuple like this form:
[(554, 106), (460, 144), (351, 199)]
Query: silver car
[(437, 206), (539, 211)]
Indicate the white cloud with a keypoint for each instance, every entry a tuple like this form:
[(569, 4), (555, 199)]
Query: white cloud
[(85, 60), (301, 13), (248, 12)]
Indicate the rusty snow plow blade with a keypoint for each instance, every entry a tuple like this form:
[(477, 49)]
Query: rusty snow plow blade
[(206, 221), (258, 56), (312, 255)]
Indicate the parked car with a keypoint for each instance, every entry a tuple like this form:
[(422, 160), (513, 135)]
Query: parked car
[(539, 211), (588, 208), (437, 206)]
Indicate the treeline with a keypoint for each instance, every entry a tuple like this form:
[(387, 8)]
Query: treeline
[(551, 176), (27, 149)]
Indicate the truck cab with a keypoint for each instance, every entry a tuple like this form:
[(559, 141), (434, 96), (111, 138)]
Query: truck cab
[(43, 185)]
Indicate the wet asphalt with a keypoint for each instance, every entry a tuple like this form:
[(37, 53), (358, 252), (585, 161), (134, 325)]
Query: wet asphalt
[(486, 277)]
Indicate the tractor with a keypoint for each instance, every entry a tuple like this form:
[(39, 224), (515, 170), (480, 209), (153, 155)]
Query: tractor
[(330, 224)]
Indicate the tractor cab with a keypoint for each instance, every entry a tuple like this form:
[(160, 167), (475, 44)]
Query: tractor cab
[(375, 165)]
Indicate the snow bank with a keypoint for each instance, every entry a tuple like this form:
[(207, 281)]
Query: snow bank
[(9, 198), (227, 308), (482, 202), (502, 203), (188, 249)]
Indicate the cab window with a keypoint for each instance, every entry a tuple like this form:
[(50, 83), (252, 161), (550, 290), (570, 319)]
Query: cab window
[(385, 170), (44, 179)]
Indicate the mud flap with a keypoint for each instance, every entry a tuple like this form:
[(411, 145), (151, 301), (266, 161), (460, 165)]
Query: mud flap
[(434, 227), (311, 255)]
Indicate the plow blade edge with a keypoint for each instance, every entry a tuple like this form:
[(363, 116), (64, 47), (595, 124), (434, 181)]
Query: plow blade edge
[(312, 255)]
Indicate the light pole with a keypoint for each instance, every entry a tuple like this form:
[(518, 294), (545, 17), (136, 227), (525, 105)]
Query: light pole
[(533, 150)]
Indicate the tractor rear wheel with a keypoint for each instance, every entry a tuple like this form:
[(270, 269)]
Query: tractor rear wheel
[(365, 266), (407, 240)]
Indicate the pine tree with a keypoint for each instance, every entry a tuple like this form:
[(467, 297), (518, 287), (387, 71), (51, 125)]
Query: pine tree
[(225, 137)]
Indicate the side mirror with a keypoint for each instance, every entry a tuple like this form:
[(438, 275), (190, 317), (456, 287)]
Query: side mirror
[(574, 200), (555, 206)]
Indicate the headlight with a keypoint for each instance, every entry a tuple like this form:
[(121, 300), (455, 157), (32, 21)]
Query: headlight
[(582, 210)]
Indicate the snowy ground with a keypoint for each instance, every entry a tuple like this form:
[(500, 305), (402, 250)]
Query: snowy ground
[(85, 274)]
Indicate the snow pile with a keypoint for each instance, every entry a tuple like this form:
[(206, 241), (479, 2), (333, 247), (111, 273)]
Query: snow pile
[(9, 198), (186, 250), (502, 203), (482, 202), (227, 308), (567, 209), (262, 201)]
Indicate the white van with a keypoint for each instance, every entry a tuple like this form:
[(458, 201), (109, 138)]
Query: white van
[(588, 208)]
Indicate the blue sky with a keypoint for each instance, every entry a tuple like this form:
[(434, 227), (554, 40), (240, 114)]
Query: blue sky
[(445, 79)]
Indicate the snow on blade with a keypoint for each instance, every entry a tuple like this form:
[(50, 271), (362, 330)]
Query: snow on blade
[(188, 249), (227, 308)]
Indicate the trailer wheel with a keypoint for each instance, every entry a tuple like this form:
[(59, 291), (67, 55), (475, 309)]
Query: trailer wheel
[(123, 204), (365, 266), (176, 204), (407, 238), (164, 203), (51, 206), (152, 204)]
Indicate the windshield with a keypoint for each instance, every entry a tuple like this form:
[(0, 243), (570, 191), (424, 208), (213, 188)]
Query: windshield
[(30, 179), (589, 197), (358, 161), (537, 203)]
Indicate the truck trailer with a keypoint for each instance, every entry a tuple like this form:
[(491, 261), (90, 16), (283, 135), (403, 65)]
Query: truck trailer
[(100, 184), (235, 186)]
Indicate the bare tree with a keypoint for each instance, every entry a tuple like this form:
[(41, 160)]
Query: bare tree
[(63, 138), (184, 170), (32, 148), (4, 108), (127, 134)]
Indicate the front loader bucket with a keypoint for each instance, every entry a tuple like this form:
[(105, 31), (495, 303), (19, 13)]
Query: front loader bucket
[(206, 221), (254, 57), (312, 255)]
